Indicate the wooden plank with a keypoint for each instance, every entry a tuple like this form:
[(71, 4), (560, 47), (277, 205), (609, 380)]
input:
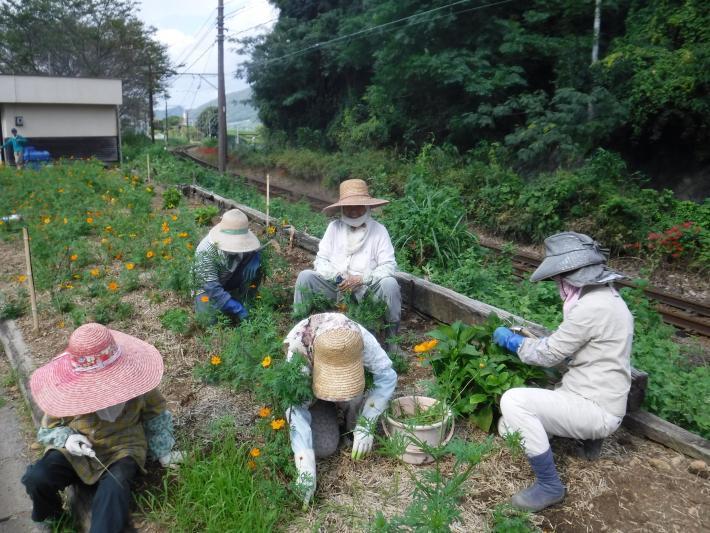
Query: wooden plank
[(659, 430)]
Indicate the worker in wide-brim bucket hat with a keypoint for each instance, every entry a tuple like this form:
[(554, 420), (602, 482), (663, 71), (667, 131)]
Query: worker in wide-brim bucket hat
[(355, 255), (595, 339), (228, 267), (103, 416), (338, 351)]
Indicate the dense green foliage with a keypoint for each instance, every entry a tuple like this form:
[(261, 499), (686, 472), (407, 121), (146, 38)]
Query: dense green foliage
[(359, 74)]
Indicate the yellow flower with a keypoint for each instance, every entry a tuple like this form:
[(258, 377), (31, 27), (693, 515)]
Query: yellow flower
[(264, 412), (251, 465), (189, 246), (174, 217), (149, 189), (73, 257), (108, 229), (46, 220), (481, 365), (167, 240), (112, 286), (2, 222), (104, 240), (278, 424), (60, 190), (164, 226), (21, 278), (60, 324), (215, 360), (130, 266), (205, 298), (255, 452), (150, 254), (89, 220), (182, 234), (271, 230), (426, 346), (266, 361), (66, 221), (94, 272)]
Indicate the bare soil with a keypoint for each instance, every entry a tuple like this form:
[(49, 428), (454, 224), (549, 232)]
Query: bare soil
[(636, 485)]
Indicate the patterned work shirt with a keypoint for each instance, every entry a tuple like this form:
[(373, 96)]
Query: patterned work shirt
[(144, 423)]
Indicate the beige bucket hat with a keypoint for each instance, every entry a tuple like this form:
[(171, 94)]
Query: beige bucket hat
[(338, 372), (232, 234), (354, 192)]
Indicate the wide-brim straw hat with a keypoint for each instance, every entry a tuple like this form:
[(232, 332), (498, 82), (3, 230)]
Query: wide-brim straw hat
[(338, 372), (99, 368), (232, 233), (578, 257), (354, 192)]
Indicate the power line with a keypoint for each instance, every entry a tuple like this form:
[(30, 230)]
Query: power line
[(253, 27), (198, 39), (379, 26)]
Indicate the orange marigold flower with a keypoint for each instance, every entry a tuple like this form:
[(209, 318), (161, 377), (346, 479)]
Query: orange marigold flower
[(278, 424), (426, 346), (94, 272), (108, 229), (215, 360), (21, 278), (150, 254), (264, 412), (167, 240), (130, 266), (174, 217), (182, 234), (73, 257), (189, 246), (89, 220), (266, 361), (112, 286), (164, 227), (118, 256), (255, 452), (204, 298)]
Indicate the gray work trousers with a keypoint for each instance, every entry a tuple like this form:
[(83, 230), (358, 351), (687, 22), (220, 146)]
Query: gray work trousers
[(326, 428), (309, 282)]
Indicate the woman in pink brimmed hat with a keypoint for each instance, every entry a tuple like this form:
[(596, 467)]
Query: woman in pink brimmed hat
[(103, 416)]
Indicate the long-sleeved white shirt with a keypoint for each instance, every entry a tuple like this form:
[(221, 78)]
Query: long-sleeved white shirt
[(375, 360), (596, 335), (366, 251)]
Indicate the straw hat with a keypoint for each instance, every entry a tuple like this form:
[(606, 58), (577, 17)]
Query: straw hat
[(99, 368), (338, 373), (354, 192), (232, 234), (578, 257)]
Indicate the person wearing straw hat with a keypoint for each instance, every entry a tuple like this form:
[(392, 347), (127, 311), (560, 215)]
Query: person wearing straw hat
[(595, 339), (227, 266), (355, 254), (103, 416), (338, 351)]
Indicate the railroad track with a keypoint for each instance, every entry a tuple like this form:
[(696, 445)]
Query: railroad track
[(688, 315)]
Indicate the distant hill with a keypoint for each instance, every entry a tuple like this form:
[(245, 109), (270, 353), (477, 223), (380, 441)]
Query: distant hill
[(239, 113)]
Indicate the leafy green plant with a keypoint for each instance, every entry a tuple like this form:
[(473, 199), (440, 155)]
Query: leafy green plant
[(171, 198), (508, 519), (14, 306), (177, 320), (422, 415), (204, 214), (472, 372)]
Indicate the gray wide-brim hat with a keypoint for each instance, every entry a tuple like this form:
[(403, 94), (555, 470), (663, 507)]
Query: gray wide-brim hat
[(576, 257)]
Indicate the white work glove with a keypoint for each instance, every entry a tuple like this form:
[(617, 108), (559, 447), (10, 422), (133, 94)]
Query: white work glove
[(362, 442), (306, 482), (171, 459), (79, 445)]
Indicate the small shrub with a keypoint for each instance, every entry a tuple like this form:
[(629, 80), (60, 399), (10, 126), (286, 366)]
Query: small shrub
[(205, 214), (176, 320), (171, 198)]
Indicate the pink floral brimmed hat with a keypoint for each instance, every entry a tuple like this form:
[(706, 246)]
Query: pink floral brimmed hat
[(99, 368)]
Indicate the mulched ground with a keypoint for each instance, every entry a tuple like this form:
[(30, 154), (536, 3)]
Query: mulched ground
[(636, 485)]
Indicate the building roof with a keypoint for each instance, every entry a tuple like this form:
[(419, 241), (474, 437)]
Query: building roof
[(58, 90)]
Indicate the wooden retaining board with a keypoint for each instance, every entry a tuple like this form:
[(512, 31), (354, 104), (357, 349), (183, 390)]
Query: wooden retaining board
[(446, 305)]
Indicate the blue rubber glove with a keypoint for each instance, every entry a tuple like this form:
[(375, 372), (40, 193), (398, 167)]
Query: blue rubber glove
[(235, 307), (505, 338), (252, 266)]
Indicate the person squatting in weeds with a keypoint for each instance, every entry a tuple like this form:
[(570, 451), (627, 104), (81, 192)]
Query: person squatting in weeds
[(103, 416), (338, 351), (356, 255), (595, 339), (227, 267)]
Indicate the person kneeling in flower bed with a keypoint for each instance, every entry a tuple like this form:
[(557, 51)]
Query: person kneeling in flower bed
[(595, 338), (338, 351), (103, 416), (227, 266)]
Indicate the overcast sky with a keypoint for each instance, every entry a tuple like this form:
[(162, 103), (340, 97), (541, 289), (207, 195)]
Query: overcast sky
[(188, 28)]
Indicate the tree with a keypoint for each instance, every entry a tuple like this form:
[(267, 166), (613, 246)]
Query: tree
[(92, 38), (207, 122)]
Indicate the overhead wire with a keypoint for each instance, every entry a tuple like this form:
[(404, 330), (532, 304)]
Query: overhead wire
[(198, 36), (365, 31)]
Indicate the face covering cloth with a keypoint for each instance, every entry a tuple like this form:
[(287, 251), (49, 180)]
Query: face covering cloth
[(110, 414), (355, 222), (568, 293)]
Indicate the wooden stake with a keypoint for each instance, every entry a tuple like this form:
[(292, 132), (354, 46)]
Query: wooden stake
[(268, 220), (147, 156), (30, 278)]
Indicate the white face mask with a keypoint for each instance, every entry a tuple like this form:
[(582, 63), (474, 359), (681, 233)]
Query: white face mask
[(110, 414), (355, 222)]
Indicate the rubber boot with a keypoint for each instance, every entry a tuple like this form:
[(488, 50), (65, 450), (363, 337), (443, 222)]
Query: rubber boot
[(547, 489)]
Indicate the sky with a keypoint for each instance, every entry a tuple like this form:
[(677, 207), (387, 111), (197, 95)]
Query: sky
[(188, 29)]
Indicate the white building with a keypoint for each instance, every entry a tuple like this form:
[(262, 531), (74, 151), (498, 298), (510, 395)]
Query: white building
[(68, 117)]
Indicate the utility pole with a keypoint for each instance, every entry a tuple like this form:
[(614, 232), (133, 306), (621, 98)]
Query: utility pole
[(165, 126), (151, 118), (221, 98)]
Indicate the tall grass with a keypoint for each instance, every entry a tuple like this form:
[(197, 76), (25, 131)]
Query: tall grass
[(216, 491)]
